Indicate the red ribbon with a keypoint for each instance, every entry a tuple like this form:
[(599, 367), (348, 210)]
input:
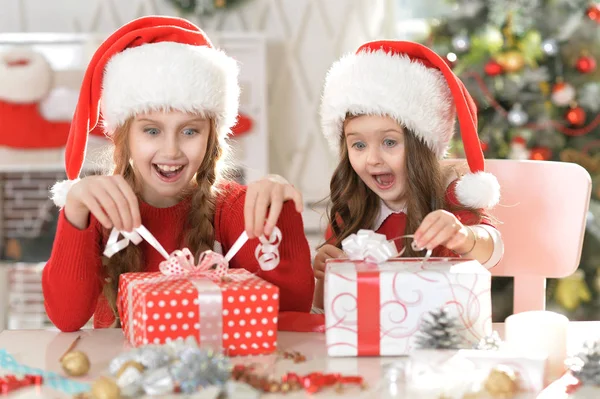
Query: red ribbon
[(9, 383), (368, 308)]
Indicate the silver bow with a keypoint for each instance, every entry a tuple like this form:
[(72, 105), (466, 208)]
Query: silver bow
[(369, 246)]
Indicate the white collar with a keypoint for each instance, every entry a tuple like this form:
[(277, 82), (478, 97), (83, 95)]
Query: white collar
[(384, 212)]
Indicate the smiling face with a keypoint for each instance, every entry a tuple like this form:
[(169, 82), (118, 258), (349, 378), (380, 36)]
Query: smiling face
[(377, 154), (166, 150)]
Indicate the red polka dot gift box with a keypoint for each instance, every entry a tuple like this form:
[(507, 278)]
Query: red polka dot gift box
[(237, 313)]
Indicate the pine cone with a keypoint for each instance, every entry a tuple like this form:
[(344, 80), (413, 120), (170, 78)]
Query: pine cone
[(585, 366), (439, 330)]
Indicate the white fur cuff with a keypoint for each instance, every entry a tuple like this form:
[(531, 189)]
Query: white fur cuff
[(59, 191), (25, 76)]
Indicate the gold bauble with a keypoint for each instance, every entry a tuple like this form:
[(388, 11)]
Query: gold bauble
[(501, 383), (130, 363), (105, 388), (75, 363), (511, 61)]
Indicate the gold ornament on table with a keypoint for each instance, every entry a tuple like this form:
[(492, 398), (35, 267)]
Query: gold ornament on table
[(75, 363), (130, 363), (105, 388), (502, 383)]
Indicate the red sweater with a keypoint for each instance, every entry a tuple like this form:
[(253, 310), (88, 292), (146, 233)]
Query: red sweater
[(73, 277)]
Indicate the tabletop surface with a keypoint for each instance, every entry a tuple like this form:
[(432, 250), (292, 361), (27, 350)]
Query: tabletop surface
[(42, 349)]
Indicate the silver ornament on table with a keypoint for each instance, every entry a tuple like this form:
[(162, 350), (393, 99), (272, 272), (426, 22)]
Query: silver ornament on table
[(490, 342), (461, 43), (516, 116), (158, 382), (550, 47), (130, 382), (153, 356)]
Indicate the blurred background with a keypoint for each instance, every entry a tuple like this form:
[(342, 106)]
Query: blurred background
[(530, 64)]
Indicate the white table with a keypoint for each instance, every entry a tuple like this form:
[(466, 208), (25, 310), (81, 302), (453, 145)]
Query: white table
[(42, 349)]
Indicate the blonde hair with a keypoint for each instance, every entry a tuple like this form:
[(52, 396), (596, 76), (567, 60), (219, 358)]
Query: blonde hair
[(199, 227)]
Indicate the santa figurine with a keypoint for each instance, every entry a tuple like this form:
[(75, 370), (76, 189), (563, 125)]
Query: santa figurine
[(26, 80), (518, 149)]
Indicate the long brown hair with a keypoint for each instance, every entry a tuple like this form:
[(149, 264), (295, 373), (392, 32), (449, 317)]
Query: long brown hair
[(354, 206), (200, 230)]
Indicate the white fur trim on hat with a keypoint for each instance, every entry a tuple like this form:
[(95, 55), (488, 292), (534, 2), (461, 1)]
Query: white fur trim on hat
[(170, 75), (29, 78), (377, 83), (479, 190), (59, 191)]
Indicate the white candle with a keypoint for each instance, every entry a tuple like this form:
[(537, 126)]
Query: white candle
[(541, 332)]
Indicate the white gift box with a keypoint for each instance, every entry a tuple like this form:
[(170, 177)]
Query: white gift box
[(376, 309)]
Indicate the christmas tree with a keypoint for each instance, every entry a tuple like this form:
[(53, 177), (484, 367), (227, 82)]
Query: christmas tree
[(531, 67)]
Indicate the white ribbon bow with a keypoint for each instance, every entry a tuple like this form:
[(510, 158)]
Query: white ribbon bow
[(372, 247)]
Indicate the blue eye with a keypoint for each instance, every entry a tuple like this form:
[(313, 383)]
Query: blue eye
[(151, 131), (359, 145), (190, 132), (389, 143)]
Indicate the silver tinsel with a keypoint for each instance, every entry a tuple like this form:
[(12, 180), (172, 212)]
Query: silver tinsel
[(179, 363), (585, 366), (490, 342), (439, 330)]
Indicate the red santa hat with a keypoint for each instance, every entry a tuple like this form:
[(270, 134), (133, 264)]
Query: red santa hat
[(410, 83), (151, 63)]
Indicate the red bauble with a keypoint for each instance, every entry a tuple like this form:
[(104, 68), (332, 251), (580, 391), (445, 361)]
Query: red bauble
[(586, 64), (575, 116), (540, 153), (492, 68), (593, 12), (484, 146)]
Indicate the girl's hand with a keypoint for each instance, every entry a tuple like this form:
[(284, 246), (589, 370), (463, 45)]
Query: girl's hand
[(443, 228), (109, 198), (269, 193), (327, 251)]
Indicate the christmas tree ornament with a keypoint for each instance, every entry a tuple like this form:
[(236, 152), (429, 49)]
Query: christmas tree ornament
[(439, 330), (575, 116), (490, 342), (562, 94), (502, 382), (517, 116), (128, 364), (105, 388), (491, 38), (589, 96), (461, 42), (593, 12), (585, 365), (586, 64), (540, 154), (550, 47), (511, 61), (492, 68), (451, 59), (75, 364)]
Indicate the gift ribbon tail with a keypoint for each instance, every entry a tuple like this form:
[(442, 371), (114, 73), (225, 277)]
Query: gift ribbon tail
[(143, 231), (239, 243)]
